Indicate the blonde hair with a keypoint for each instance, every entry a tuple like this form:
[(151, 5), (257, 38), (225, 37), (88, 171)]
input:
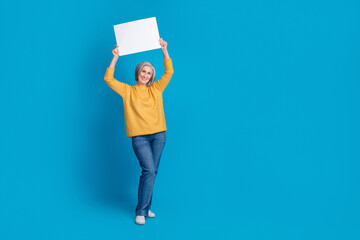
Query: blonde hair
[(138, 69)]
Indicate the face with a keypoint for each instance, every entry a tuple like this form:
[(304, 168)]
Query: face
[(145, 75)]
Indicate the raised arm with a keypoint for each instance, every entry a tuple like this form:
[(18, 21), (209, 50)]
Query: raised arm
[(115, 53), (115, 85), (163, 45), (165, 79)]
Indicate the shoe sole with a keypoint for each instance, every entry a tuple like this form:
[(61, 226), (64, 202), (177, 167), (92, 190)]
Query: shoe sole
[(139, 223)]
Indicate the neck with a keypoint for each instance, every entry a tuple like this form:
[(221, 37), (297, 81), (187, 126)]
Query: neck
[(140, 85)]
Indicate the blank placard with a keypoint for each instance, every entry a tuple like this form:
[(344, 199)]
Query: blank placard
[(137, 36)]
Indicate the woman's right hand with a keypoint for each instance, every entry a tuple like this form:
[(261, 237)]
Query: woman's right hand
[(115, 51)]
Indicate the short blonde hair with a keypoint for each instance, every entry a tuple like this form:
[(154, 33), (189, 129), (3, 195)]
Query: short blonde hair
[(138, 69)]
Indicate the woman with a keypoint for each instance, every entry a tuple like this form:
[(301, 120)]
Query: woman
[(144, 122)]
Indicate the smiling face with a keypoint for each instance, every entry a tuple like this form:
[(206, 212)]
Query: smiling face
[(145, 75)]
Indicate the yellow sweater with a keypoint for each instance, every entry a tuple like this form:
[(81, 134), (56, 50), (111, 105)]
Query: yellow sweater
[(143, 106)]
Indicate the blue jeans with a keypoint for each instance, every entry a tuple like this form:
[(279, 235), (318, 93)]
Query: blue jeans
[(148, 149)]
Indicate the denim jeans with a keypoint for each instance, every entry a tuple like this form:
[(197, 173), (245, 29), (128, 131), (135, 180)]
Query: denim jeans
[(148, 149)]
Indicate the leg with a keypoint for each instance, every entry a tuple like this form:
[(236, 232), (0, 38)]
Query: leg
[(157, 146), (143, 151)]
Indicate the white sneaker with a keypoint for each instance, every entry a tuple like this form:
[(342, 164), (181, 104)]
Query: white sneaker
[(140, 220), (151, 214)]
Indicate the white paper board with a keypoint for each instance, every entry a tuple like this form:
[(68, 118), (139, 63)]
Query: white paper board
[(137, 36)]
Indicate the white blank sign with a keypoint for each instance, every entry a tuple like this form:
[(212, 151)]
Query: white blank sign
[(137, 36)]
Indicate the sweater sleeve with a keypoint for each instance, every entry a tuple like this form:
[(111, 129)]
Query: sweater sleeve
[(114, 84), (165, 79)]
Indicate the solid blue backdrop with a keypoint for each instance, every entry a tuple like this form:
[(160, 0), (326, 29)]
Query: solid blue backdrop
[(262, 115)]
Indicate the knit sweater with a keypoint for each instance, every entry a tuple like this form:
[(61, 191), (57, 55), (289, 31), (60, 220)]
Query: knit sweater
[(143, 106)]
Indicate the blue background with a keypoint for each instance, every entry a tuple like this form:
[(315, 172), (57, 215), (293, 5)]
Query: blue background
[(262, 115)]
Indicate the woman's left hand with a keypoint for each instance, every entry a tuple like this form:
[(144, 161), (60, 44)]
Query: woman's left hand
[(163, 44)]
